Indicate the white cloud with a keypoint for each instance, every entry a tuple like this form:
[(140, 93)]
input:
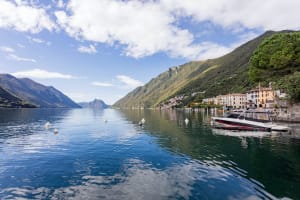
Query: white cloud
[(20, 45), (60, 4), (101, 84), (23, 16), (7, 49), (42, 74), (17, 58), (268, 14), (213, 50), (122, 81), (39, 41), (144, 28), (129, 82), (87, 49)]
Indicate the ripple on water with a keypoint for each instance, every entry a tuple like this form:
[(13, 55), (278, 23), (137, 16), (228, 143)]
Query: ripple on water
[(90, 159), (140, 180)]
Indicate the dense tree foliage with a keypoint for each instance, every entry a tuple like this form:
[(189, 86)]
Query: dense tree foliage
[(277, 59), (277, 56), (291, 85)]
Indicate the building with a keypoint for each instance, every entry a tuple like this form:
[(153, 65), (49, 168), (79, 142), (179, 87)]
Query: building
[(237, 100), (252, 98), (264, 97), (221, 100), (260, 97), (211, 100), (234, 100)]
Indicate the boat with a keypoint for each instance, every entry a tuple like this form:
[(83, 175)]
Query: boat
[(246, 124)]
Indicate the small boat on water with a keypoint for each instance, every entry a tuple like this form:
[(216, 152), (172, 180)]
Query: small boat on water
[(246, 124)]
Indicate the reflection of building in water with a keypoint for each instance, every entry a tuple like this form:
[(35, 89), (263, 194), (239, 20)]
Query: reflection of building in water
[(244, 143), (171, 114)]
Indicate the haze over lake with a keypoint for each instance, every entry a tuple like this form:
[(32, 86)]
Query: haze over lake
[(98, 154)]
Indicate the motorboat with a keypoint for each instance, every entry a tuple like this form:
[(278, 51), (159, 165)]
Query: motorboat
[(246, 124)]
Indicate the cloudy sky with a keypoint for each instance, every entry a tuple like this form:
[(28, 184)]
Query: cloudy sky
[(106, 48)]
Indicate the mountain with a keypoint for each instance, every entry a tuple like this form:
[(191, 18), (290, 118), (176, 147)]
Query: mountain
[(34, 93), (228, 73), (8, 100), (96, 104)]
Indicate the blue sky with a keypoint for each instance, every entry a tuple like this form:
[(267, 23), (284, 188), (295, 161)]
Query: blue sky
[(105, 48)]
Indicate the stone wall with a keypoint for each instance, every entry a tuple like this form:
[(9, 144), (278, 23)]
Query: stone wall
[(290, 114)]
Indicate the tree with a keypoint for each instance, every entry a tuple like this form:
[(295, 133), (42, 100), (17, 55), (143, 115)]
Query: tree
[(291, 85), (277, 56)]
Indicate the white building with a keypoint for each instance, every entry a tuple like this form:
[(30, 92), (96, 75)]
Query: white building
[(237, 100), (252, 97), (234, 100), (211, 100)]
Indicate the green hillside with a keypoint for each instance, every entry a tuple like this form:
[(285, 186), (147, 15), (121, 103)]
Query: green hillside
[(160, 88), (228, 73)]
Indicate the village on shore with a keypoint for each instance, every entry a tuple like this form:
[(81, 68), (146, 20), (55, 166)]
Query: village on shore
[(261, 99)]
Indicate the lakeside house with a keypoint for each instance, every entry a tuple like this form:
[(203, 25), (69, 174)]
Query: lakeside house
[(264, 97), (234, 100)]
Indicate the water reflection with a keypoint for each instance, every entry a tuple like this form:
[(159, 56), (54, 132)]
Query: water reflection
[(17, 116), (140, 180), (270, 158), (257, 134), (118, 159)]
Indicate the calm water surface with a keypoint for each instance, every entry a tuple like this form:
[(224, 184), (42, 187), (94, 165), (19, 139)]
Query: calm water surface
[(166, 159)]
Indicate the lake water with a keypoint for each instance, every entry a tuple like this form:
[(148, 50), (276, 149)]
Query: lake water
[(165, 159)]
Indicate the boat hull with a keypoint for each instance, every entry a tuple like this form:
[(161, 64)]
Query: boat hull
[(229, 125), (246, 125)]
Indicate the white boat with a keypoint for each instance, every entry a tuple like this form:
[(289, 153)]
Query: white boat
[(246, 125)]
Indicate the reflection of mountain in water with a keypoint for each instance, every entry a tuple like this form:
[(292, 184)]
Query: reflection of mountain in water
[(263, 158), (30, 115), (27, 121)]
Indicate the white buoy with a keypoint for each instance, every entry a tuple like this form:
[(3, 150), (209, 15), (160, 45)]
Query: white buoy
[(186, 121), (47, 125), (55, 131), (105, 120), (142, 122)]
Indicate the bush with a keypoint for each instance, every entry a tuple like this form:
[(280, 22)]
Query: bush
[(291, 85)]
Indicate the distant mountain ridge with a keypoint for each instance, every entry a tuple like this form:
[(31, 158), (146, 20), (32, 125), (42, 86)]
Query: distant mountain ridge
[(8, 100), (222, 75), (35, 93), (95, 104)]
